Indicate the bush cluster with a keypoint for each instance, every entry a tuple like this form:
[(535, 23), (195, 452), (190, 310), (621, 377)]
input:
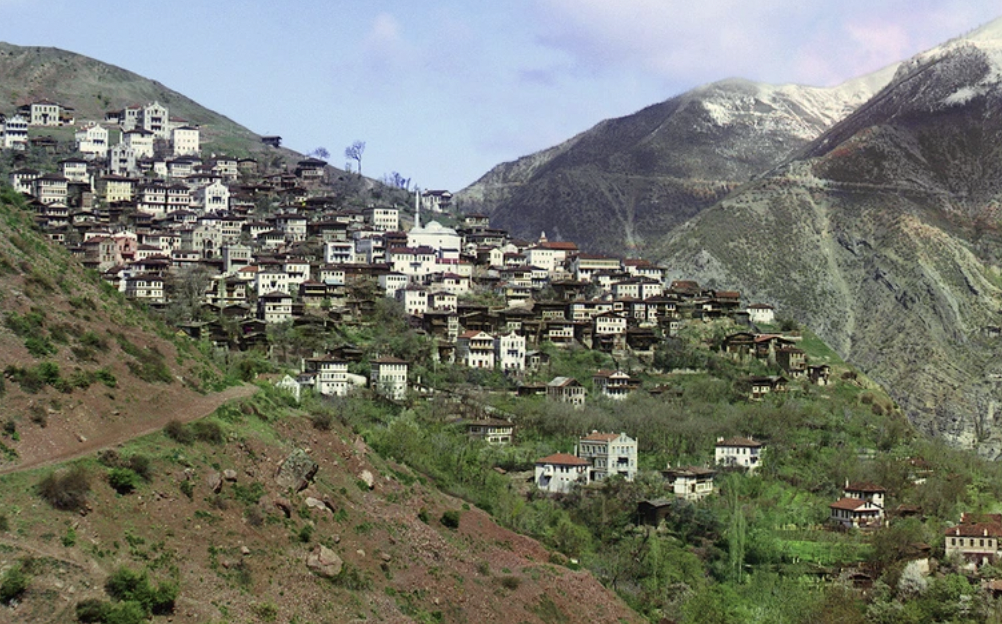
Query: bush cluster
[(133, 600), (67, 491)]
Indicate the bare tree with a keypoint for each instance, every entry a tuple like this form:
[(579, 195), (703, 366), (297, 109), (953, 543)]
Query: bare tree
[(321, 153), (354, 152)]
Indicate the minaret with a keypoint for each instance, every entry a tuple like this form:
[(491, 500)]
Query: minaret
[(417, 209)]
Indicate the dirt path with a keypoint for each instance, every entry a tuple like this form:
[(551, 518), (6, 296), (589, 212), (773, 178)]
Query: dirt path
[(63, 441)]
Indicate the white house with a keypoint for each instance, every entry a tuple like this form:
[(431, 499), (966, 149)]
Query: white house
[(761, 313), (475, 349), (738, 451), (331, 376), (609, 454), (509, 352), (92, 141), (558, 473), (388, 376), (15, 133), (861, 505), (185, 140), (139, 140), (414, 299)]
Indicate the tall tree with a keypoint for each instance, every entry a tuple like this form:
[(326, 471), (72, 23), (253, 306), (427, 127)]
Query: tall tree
[(354, 152)]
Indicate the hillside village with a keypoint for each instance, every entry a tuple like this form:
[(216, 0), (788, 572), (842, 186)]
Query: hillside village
[(235, 251)]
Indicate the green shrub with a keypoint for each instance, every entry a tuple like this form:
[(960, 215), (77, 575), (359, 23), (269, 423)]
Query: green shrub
[(176, 431), (4, 523), (422, 515), (92, 340), (142, 466), (67, 491), (106, 377), (123, 480), (510, 582), (188, 489), (40, 346), (450, 519), (92, 610), (207, 431), (13, 584), (126, 585), (305, 534)]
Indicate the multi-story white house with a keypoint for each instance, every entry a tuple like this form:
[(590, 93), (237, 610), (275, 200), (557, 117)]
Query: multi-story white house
[(509, 350), (115, 188), (272, 280), (475, 349), (92, 141), (154, 118), (560, 472), (383, 218), (388, 377), (738, 451), (75, 169), (215, 196), (15, 133), (491, 430), (391, 283), (414, 299), (330, 376), (139, 140), (339, 252), (609, 454), (185, 140), (43, 113), (615, 385), (861, 505)]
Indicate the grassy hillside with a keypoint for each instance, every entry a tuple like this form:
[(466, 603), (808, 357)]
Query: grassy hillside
[(77, 358)]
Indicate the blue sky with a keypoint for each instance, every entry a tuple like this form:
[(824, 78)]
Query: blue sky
[(443, 91)]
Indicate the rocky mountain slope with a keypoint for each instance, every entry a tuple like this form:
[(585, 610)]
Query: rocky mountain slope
[(884, 234), (646, 173)]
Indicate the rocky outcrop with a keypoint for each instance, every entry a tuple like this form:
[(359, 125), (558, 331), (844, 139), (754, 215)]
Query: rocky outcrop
[(324, 562), (296, 471)]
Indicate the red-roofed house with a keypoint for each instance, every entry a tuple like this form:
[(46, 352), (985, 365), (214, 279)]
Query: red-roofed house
[(976, 539), (861, 506), (559, 472)]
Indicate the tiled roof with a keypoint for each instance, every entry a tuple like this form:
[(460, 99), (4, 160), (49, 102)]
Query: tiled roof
[(563, 459)]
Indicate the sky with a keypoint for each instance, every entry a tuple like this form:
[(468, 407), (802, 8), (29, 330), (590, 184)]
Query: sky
[(441, 92)]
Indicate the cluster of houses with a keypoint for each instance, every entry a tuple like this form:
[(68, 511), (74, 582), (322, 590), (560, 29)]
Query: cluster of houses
[(149, 218)]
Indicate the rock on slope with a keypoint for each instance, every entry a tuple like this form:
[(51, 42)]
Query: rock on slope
[(649, 172), (884, 236)]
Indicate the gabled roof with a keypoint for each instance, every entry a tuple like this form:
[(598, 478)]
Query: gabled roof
[(595, 436), (850, 504), (563, 459), (864, 486)]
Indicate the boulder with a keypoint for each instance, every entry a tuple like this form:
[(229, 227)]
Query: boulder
[(284, 506), (315, 503), (296, 471), (324, 562), (367, 477), (230, 475), (215, 482)]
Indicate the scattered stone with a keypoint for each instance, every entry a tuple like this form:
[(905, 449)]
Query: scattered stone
[(360, 552), (367, 477), (296, 471), (386, 557), (315, 502), (337, 539), (244, 550), (215, 482), (360, 446), (324, 562), (81, 437), (230, 475)]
